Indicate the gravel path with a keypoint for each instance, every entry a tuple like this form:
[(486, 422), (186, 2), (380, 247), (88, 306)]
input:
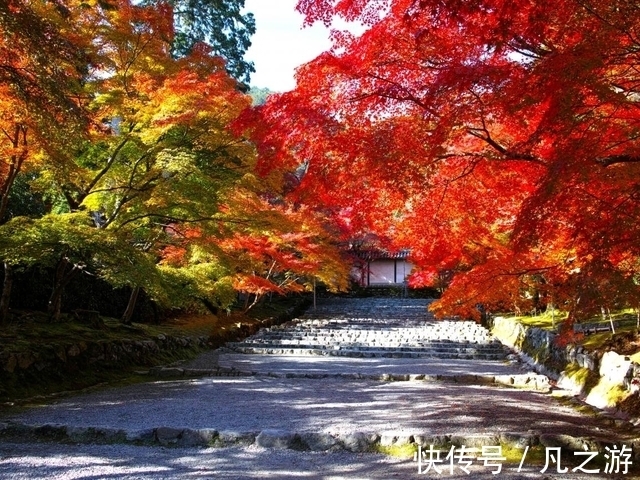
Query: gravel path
[(367, 366), (305, 405), (124, 462)]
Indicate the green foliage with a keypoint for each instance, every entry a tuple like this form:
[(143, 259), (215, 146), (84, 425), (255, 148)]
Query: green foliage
[(220, 25), (44, 241), (188, 285), (150, 194), (23, 201)]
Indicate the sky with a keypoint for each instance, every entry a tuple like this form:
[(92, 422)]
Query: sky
[(280, 44)]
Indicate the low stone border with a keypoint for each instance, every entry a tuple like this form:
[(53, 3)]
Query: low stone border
[(529, 381), (282, 439), (173, 372), (370, 353)]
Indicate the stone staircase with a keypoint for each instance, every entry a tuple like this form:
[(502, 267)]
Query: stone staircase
[(319, 407), (382, 330)]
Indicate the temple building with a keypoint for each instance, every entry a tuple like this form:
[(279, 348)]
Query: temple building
[(377, 268)]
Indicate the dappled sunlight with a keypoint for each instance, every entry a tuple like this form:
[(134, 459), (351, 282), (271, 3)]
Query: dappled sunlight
[(325, 365), (330, 405), (116, 462), (93, 462), (308, 405), (80, 466)]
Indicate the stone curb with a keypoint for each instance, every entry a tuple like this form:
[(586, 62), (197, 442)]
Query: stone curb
[(360, 442), (328, 352), (173, 372), (538, 383)]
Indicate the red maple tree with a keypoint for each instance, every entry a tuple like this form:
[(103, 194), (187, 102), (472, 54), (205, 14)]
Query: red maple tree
[(498, 138)]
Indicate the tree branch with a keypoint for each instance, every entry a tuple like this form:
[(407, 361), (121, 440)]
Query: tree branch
[(615, 159)]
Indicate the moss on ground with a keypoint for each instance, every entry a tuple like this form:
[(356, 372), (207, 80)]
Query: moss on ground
[(582, 376), (612, 394), (406, 450), (534, 455), (597, 341), (592, 342), (545, 320)]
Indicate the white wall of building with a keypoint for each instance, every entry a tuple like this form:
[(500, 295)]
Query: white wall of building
[(381, 272)]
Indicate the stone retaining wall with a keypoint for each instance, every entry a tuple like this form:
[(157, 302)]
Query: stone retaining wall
[(83, 354), (535, 345), (538, 348), (49, 363), (48, 368)]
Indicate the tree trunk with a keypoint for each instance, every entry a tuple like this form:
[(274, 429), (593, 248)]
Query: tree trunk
[(63, 277), (5, 298), (256, 299), (613, 327), (128, 313), (18, 139), (551, 306), (210, 306), (55, 304)]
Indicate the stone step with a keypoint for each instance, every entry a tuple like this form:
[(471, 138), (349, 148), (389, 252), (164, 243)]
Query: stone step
[(297, 327), (313, 441), (442, 347), (343, 346), (379, 330), (368, 340), (387, 330), (372, 353), (352, 338)]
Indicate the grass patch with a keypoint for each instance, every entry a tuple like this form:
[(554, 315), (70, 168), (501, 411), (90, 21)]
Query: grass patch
[(544, 321), (596, 341)]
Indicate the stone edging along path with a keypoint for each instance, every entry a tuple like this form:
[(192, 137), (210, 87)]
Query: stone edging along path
[(357, 441), (527, 381)]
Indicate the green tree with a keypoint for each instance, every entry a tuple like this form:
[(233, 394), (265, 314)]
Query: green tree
[(218, 23), (166, 156), (44, 60)]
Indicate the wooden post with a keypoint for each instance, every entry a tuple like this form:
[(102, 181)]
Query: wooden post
[(315, 306)]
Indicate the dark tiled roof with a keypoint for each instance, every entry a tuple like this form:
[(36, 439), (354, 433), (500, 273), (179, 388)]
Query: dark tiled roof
[(374, 254)]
